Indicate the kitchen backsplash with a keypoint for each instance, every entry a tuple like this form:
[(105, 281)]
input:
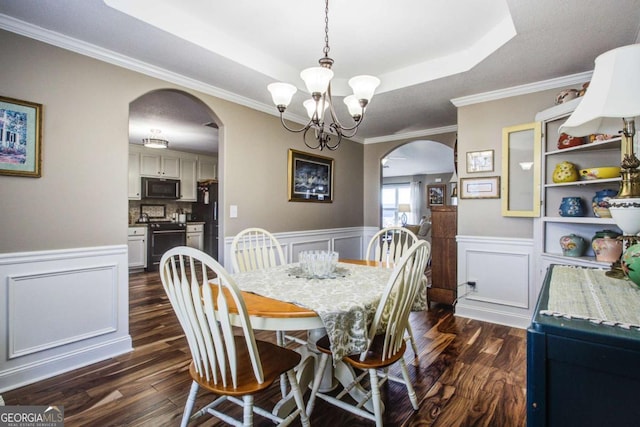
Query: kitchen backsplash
[(156, 208)]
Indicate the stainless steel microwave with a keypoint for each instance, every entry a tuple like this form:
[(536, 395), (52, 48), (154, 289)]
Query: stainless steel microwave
[(158, 188)]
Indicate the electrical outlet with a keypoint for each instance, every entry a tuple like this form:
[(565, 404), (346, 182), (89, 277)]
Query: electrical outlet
[(472, 285)]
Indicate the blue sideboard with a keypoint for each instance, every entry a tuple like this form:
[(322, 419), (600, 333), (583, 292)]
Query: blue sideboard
[(580, 373)]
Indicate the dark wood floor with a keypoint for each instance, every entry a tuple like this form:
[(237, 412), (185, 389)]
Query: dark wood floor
[(469, 373)]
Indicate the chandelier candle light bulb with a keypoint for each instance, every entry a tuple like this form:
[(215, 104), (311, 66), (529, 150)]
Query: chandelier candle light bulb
[(318, 84)]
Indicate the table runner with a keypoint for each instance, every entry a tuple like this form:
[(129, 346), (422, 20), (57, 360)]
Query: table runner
[(345, 304), (587, 293)]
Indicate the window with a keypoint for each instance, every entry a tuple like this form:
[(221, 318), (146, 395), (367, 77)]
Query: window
[(392, 195)]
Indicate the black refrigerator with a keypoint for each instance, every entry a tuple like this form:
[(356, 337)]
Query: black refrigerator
[(206, 209)]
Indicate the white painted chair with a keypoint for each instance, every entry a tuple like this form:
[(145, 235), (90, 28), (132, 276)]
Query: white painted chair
[(206, 301), (385, 342), (255, 249), (389, 245)]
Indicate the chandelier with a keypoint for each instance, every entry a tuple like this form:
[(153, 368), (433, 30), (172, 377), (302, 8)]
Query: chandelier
[(154, 140), (318, 82)]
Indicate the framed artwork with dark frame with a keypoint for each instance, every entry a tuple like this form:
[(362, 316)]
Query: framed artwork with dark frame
[(20, 138), (436, 195), (310, 177)]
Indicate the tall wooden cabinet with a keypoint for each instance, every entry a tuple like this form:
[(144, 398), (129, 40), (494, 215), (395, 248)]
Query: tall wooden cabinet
[(444, 220)]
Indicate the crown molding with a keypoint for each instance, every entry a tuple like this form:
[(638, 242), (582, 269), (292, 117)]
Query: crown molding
[(523, 89), (87, 49), (411, 135)]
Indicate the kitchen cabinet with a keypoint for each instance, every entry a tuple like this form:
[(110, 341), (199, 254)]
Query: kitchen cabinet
[(550, 226), (134, 185), (156, 165), (195, 236), (580, 373), (137, 243), (444, 255), (188, 181), (207, 168)]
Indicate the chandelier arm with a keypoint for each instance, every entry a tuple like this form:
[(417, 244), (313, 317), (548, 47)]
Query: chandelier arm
[(336, 121), (304, 138), (302, 129)]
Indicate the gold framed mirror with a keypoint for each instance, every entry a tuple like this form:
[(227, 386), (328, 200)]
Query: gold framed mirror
[(521, 147)]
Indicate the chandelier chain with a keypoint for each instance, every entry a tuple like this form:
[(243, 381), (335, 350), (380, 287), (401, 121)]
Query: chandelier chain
[(326, 29)]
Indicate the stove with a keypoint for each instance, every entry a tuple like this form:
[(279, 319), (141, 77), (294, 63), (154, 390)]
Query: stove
[(163, 235), (167, 225)]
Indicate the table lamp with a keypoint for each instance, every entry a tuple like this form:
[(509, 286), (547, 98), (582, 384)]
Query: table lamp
[(404, 208), (610, 106)]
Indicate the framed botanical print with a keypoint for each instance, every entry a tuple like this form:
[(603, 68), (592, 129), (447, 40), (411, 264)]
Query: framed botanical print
[(20, 137), (310, 177), (480, 161)]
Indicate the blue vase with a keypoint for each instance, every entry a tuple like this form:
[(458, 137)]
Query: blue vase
[(600, 203), (571, 206)]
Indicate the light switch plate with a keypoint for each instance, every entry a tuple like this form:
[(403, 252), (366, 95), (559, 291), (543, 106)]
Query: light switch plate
[(233, 211)]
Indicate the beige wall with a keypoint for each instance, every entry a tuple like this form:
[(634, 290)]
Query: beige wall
[(480, 128), (373, 153), (81, 199)]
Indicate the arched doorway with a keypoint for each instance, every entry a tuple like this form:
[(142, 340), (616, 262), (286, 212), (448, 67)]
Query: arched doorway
[(407, 171), (192, 131)]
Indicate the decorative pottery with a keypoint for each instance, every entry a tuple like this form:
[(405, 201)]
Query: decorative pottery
[(568, 141), (600, 173), (631, 263), (565, 172), (571, 206), (626, 214), (566, 95), (600, 202), (607, 246), (572, 245)]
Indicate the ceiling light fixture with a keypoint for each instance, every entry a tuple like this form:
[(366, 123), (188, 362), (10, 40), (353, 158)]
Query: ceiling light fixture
[(154, 140), (318, 82)]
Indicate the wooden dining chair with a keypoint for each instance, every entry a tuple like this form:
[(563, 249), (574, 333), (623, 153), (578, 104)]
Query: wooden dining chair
[(388, 245), (226, 361), (385, 340)]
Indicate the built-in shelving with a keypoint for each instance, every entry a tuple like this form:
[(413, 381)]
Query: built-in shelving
[(550, 227)]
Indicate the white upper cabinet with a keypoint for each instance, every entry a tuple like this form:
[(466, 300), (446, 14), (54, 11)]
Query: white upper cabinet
[(162, 166), (207, 168)]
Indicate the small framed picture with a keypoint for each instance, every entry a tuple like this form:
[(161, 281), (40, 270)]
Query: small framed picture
[(480, 161), (310, 177), (436, 195), (20, 137), (480, 188)]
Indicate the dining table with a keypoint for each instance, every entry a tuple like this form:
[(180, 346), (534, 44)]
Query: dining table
[(283, 298)]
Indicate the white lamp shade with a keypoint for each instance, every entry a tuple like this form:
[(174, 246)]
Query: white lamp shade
[(353, 105), (311, 106), (317, 79), (404, 207), (281, 93), (364, 86), (614, 93)]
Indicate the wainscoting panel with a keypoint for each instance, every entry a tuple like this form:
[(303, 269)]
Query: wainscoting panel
[(350, 243), (64, 309), (45, 313), (503, 269)]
